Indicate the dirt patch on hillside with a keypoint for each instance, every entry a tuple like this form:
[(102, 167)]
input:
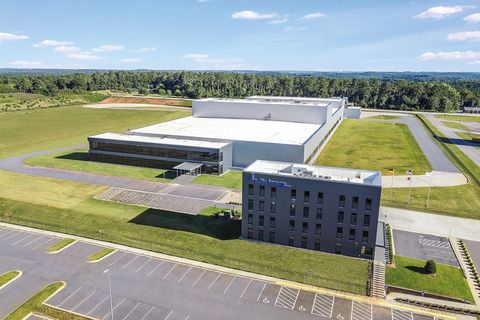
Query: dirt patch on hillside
[(154, 101)]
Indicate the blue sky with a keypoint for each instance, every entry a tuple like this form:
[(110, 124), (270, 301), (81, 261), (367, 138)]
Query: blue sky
[(320, 35)]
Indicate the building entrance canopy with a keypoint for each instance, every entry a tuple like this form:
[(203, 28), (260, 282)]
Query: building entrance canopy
[(188, 168)]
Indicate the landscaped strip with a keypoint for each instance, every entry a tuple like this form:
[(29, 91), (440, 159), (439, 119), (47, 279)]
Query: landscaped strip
[(101, 254), (60, 245), (409, 273), (8, 277), (230, 179)]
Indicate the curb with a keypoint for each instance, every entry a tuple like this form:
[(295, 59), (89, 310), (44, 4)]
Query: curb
[(63, 248), (11, 280), (104, 257)]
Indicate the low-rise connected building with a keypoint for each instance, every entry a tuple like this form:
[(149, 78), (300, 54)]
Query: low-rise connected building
[(319, 208)]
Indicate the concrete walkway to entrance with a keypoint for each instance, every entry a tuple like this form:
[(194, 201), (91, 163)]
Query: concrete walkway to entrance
[(435, 179)]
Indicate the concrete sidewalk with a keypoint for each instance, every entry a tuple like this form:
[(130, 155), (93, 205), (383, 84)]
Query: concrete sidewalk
[(435, 179)]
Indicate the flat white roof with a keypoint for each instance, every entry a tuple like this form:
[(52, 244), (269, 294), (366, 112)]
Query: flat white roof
[(160, 140), (234, 129), (316, 172), (275, 100), (291, 99)]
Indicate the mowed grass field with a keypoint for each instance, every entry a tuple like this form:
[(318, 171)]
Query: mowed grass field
[(376, 146), (455, 117), (231, 179)]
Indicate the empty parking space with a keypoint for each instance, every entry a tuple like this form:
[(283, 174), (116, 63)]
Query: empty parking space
[(323, 305), (401, 315), (80, 250), (361, 311), (287, 297), (24, 239), (424, 247)]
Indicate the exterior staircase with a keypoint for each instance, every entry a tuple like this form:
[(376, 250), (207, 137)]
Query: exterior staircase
[(378, 280)]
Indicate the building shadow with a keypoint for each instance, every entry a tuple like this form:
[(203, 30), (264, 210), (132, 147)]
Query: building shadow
[(78, 156), (212, 226)]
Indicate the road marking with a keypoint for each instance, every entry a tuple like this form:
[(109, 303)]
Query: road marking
[(103, 300), (323, 305), (264, 285), (244, 290), (401, 315), (213, 282), (136, 306), (42, 243), (168, 315), (8, 232), (166, 275), (123, 255), (183, 276), (78, 305), (231, 281), (434, 243), (143, 265), (188, 316), (146, 314), (204, 270), (32, 241), (286, 298), (21, 239), (10, 236), (114, 308), (129, 263), (361, 311), (150, 273), (74, 292)]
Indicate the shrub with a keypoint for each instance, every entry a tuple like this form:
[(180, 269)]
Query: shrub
[(430, 267)]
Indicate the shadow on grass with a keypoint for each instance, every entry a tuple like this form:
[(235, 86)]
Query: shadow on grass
[(416, 269), (458, 142), (206, 225)]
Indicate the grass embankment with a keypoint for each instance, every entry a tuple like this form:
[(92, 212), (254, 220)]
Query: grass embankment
[(60, 245), (384, 117), (35, 305), (409, 273), (79, 160), (203, 237), (231, 179), (7, 277), (375, 146), (454, 117), (102, 253), (456, 125)]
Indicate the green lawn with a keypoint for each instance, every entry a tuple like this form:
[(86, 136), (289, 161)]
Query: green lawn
[(454, 117), (384, 117), (27, 101), (231, 179), (79, 160), (449, 281), (7, 277), (56, 247), (100, 254), (375, 146), (455, 125)]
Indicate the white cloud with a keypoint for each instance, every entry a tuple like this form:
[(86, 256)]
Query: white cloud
[(464, 36), (130, 60), (66, 50), (278, 21), (207, 62), (204, 1), (473, 18), (451, 55), (440, 12), (474, 62), (5, 36), (108, 48), (144, 50), (196, 56), (313, 15), (292, 28), (87, 56), (52, 43), (253, 15), (25, 64)]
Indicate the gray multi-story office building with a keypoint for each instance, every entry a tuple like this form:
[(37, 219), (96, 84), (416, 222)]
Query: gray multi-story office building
[(319, 208)]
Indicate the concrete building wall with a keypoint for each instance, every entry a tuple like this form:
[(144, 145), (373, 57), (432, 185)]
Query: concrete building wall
[(353, 112), (245, 153), (327, 239)]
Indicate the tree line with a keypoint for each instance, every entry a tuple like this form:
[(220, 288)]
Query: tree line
[(403, 94)]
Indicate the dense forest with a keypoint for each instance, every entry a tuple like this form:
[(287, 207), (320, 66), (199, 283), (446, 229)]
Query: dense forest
[(400, 94)]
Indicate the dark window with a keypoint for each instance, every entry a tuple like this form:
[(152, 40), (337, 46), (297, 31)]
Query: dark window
[(250, 233), (292, 225), (273, 207), (304, 227), (338, 248), (261, 220), (250, 218), (293, 195), (272, 236), (273, 193), (306, 196), (272, 222), (318, 229), (365, 236), (351, 235), (292, 210), (304, 242), (339, 232), (366, 220), (291, 241), (260, 235), (366, 251), (262, 191), (320, 198), (341, 217), (250, 189), (250, 204), (368, 204), (305, 212), (355, 202), (341, 201), (261, 205), (317, 244), (319, 213), (353, 218)]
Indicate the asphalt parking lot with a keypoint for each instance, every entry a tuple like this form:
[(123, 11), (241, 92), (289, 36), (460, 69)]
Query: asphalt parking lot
[(424, 247), (144, 287)]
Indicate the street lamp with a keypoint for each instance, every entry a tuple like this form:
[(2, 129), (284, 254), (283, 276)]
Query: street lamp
[(110, 291)]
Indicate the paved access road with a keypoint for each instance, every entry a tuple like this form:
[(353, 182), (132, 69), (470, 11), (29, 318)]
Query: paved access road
[(149, 288)]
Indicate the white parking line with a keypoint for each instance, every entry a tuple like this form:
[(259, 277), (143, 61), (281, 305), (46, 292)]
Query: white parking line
[(401, 315), (6, 233), (143, 265), (32, 241), (78, 305), (168, 315), (129, 263), (74, 292), (361, 311), (264, 285), (146, 314), (18, 241), (42, 243), (183, 275), (136, 306), (123, 255), (10, 236), (150, 273), (114, 308), (231, 281), (213, 282), (204, 270), (287, 297), (323, 305), (97, 305), (244, 290), (166, 275)]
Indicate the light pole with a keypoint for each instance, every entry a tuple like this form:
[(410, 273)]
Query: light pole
[(410, 173), (429, 187), (110, 291)]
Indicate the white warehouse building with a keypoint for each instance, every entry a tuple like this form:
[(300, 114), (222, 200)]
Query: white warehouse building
[(226, 133)]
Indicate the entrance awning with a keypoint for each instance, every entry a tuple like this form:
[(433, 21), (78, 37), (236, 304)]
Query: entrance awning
[(188, 166)]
